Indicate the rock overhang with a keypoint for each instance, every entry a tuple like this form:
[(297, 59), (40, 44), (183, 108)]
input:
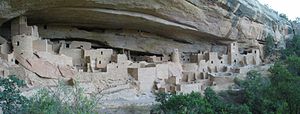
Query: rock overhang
[(184, 20)]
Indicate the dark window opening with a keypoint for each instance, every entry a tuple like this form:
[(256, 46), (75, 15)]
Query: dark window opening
[(188, 59), (234, 61), (221, 61), (45, 27), (16, 62), (255, 51), (99, 62), (67, 45), (21, 53), (101, 53), (212, 62), (18, 43), (109, 61), (117, 66)]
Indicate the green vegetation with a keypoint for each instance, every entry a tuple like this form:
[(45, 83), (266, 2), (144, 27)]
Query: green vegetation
[(11, 101), (269, 46), (183, 104), (292, 48), (61, 100), (278, 93)]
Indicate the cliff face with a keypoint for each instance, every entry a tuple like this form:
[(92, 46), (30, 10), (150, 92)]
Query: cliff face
[(188, 23), (125, 48)]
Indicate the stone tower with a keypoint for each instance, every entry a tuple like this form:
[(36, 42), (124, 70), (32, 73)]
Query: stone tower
[(22, 37), (233, 54), (175, 56)]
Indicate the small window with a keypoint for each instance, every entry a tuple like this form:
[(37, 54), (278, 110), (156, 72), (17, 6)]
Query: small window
[(221, 61), (188, 59), (99, 62), (67, 45), (109, 61), (45, 27), (21, 53), (234, 61), (255, 51), (212, 62), (233, 44), (18, 43), (101, 53), (117, 66), (16, 62)]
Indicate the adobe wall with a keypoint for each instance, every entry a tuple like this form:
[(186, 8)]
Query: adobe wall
[(76, 55), (22, 45), (62, 60), (175, 56), (5, 48), (233, 54), (101, 56), (188, 88), (162, 71), (80, 45), (19, 27), (40, 45), (145, 77), (118, 58)]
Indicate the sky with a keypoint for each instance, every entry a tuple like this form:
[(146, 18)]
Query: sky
[(289, 7)]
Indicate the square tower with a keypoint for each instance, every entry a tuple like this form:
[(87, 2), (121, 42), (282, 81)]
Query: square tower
[(233, 53)]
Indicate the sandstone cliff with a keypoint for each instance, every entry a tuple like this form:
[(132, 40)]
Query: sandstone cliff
[(98, 43), (188, 23)]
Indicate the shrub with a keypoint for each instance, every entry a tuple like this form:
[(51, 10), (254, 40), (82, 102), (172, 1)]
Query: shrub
[(63, 100), (270, 45), (192, 103), (292, 48), (11, 100)]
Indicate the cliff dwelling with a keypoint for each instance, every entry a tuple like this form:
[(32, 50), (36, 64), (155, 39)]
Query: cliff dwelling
[(127, 51), (172, 71)]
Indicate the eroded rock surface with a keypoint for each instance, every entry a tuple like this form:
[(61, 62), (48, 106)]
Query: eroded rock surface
[(186, 20), (124, 49)]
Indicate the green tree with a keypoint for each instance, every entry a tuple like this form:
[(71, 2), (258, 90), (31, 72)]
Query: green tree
[(11, 100), (253, 91), (192, 103), (63, 100), (285, 86), (269, 46), (292, 48), (219, 106)]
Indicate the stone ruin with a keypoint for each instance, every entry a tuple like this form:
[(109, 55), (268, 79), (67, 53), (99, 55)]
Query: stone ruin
[(177, 72)]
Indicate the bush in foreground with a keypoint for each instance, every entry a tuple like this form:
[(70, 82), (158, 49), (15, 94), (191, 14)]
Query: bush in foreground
[(63, 100), (11, 100)]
